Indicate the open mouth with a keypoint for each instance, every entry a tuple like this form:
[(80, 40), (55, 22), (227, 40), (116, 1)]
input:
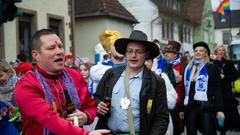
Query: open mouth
[(133, 61), (59, 60)]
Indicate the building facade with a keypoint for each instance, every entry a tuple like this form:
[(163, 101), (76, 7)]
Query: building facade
[(95, 16), (172, 20), (205, 30), (227, 30), (15, 36)]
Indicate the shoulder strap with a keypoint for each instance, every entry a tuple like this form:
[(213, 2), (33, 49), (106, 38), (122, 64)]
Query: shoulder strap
[(127, 94)]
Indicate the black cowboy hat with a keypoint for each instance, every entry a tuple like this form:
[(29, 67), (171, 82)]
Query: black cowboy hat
[(139, 37)]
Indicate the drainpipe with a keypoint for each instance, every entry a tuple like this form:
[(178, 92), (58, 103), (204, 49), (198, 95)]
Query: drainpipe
[(152, 26), (73, 27)]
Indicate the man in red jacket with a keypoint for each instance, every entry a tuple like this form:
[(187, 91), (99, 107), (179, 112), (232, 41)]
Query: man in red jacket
[(53, 99)]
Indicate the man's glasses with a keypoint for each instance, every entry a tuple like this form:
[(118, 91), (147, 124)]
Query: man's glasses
[(138, 52)]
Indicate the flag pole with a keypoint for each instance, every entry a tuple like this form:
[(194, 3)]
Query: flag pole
[(230, 22)]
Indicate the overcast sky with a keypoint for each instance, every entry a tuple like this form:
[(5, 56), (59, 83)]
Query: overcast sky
[(234, 4)]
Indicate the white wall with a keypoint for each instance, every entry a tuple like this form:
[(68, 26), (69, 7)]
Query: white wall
[(150, 22), (87, 31), (54, 7), (219, 35), (144, 11)]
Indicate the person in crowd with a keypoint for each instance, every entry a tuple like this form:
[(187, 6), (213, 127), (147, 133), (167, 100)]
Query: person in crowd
[(69, 60), (53, 99), (158, 62), (7, 104), (171, 93), (149, 63), (84, 65), (203, 94), (23, 65), (14, 64), (187, 56), (107, 39), (131, 98), (106, 57), (228, 74), (174, 68)]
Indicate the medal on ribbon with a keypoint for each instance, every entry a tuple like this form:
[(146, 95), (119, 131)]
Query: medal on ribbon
[(149, 105), (125, 102)]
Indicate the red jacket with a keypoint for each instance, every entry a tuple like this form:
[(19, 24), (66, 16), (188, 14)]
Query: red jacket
[(179, 86), (38, 113)]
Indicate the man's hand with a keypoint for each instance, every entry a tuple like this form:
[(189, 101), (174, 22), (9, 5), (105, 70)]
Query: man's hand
[(220, 115), (99, 132), (222, 76), (181, 115), (102, 108), (82, 117)]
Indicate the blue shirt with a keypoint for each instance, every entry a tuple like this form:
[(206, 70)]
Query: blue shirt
[(118, 120)]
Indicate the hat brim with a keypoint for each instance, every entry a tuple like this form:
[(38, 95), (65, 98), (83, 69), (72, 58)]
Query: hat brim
[(152, 48)]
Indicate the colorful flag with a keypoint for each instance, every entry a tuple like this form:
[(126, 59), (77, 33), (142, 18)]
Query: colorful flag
[(223, 9)]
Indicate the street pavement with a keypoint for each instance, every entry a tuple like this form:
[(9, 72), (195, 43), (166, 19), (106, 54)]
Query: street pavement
[(218, 133)]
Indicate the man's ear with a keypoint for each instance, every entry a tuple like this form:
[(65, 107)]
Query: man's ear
[(35, 55)]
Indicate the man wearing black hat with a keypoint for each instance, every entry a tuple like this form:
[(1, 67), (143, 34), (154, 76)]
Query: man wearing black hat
[(137, 101)]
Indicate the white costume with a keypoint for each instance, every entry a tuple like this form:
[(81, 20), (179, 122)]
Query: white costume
[(171, 100), (96, 74)]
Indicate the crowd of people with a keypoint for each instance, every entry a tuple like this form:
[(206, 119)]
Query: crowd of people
[(140, 88)]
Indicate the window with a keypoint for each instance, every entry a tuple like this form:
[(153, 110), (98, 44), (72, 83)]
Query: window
[(226, 38), (167, 29), (55, 23), (187, 33), (25, 30), (170, 4)]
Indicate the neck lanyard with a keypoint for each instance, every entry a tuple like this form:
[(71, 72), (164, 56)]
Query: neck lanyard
[(127, 94)]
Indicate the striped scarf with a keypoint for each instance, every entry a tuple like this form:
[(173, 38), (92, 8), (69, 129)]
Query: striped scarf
[(201, 85), (68, 84)]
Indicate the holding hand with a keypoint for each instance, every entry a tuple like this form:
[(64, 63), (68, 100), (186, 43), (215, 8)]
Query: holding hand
[(221, 118), (102, 108), (99, 132), (220, 115), (181, 115), (81, 117)]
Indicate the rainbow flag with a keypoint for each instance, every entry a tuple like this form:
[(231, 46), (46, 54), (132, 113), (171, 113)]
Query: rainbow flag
[(223, 9)]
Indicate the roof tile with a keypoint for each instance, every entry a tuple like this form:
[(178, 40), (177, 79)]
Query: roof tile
[(111, 8)]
